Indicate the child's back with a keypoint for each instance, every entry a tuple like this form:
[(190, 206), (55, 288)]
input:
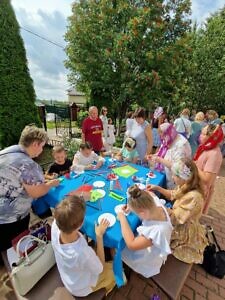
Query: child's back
[(146, 252), (78, 265), (148, 261)]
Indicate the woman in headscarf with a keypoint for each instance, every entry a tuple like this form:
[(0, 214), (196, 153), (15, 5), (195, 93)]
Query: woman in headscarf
[(208, 159), (188, 239), (174, 147), (158, 119)]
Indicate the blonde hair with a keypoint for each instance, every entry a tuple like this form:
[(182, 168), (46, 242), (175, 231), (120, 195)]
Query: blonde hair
[(200, 116), (193, 183), (69, 214), (185, 112), (58, 149), (31, 134), (212, 113), (140, 199)]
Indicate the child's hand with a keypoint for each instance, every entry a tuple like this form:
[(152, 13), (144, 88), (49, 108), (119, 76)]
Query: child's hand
[(120, 215), (126, 209), (89, 167), (151, 187), (101, 228), (149, 157), (127, 159)]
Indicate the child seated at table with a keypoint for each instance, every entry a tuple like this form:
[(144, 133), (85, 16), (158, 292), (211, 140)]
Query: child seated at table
[(188, 240), (61, 163), (86, 158), (81, 269), (146, 252), (128, 152)]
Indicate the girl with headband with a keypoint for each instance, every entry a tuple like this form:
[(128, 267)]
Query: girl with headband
[(188, 239)]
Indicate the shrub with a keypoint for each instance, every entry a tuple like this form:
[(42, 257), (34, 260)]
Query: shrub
[(80, 117)]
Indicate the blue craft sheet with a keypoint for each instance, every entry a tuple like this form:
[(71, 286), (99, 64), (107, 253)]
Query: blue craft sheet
[(113, 236)]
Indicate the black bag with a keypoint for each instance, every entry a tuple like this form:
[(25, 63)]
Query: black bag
[(214, 257)]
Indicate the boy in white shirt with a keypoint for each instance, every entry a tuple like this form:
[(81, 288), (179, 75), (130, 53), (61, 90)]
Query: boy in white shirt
[(86, 158), (81, 269)]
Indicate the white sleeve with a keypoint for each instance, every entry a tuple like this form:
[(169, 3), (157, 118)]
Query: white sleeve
[(92, 262), (159, 238), (77, 156)]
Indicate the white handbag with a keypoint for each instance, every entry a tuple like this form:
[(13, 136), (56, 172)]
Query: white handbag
[(31, 268)]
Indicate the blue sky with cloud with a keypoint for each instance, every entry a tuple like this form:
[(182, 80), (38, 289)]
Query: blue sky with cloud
[(48, 18)]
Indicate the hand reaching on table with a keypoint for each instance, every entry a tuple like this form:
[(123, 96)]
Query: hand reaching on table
[(151, 187), (53, 182), (101, 228), (121, 215)]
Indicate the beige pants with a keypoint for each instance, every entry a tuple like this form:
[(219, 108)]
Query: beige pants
[(106, 279)]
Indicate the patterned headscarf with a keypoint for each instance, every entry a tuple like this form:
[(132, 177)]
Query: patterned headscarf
[(181, 170), (168, 136), (158, 112), (214, 139)]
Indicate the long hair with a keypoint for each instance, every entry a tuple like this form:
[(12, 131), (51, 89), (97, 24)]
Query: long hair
[(193, 183)]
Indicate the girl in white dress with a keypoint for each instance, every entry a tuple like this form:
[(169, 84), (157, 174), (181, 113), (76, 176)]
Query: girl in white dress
[(110, 140), (146, 252), (103, 117)]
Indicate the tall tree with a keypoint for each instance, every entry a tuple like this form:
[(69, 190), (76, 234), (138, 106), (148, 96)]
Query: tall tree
[(17, 96), (127, 51), (206, 79)]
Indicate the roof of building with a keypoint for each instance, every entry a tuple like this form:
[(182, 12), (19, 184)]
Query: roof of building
[(73, 92)]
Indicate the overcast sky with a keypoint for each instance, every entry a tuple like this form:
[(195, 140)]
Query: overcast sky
[(48, 18)]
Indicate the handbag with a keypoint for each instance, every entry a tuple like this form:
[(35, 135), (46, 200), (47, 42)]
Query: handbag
[(31, 268), (213, 257)]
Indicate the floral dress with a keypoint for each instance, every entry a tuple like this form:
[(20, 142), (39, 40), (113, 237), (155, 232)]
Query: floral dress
[(188, 239)]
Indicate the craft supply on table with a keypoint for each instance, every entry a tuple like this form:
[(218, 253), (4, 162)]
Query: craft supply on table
[(112, 176), (150, 175), (97, 194), (116, 196), (147, 182), (99, 184), (118, 185), (111, 183), (119, 208), (125, 171), (109, 217), (83, 188)]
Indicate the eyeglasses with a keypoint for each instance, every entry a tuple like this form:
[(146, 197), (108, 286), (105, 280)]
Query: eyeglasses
[(105, 109)]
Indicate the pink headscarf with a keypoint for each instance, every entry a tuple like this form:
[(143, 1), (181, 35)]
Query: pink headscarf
[(158, 112), (168, 136)]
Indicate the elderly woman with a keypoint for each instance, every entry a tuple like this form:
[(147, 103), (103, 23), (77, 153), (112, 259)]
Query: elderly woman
[(208, 159), (22, 180), (196, 128), (188, 239), (174, 147), (141, 131)]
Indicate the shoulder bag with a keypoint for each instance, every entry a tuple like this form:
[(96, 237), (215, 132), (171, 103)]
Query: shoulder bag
[(31, 268), (214, 257)]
